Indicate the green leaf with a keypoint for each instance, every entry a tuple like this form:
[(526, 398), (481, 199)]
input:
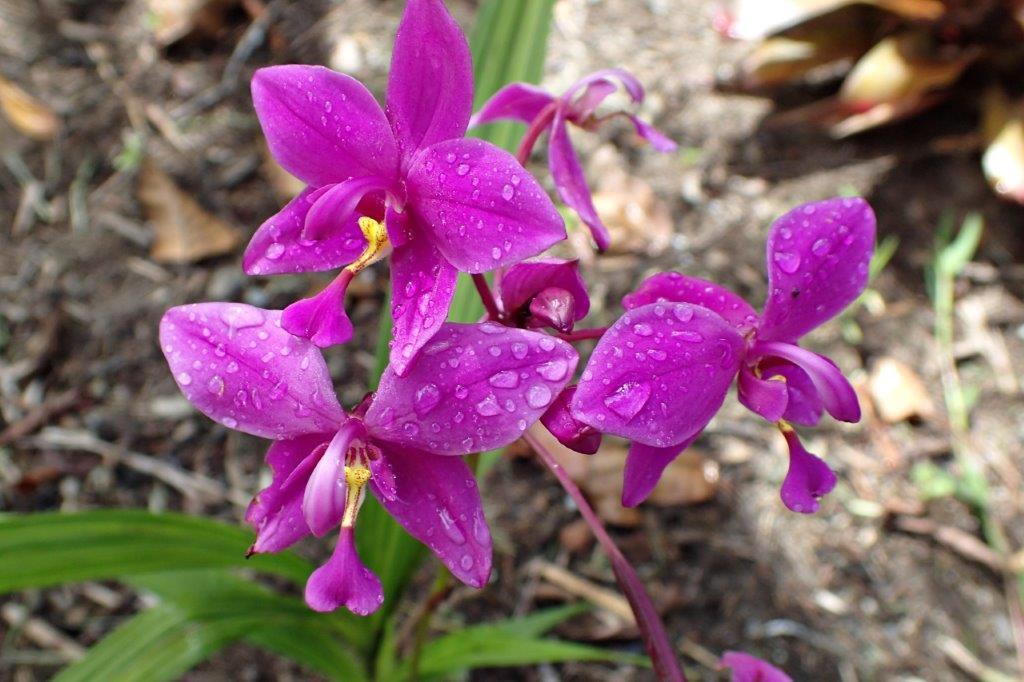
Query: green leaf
[(55, 548), (508, 42), (955, 255)]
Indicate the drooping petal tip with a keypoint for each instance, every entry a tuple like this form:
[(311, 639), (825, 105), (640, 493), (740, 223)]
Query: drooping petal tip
[(747, 668), (344, 581), (808, 478)]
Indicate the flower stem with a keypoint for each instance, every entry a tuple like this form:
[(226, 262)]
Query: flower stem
[(659, 648), (583, 334), (439, 591), (486, 297), (537, 126)]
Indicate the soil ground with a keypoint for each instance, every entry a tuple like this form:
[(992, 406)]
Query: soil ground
[(877, 586)]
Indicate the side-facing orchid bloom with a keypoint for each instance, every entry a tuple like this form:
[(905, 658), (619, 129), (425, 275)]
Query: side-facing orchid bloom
[(546, 292), (661, 372), (746, 668), (400, 180), (473, 388), (578, 105)]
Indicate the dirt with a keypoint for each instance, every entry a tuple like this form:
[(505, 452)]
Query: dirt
[(846, 594)]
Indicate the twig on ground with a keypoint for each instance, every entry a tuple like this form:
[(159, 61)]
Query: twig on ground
[(601, 597), (969, 663), (40, 632), (41, 415)]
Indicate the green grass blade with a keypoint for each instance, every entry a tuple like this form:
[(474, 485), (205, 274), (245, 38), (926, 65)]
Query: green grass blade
[(46, 549)]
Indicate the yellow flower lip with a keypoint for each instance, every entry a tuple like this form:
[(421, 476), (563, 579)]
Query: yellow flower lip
[(377, 244)]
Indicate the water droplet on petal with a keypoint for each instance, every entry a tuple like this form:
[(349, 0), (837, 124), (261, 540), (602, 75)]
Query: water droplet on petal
[(184, 378), (519, 350), (538, 396), (554, 370), (215, 385), (504, 379), (642, 329), (488, 407), (462, 169), (507, 192), (688, 336), (449, 527), (683, 313), (466, 562), (426, 399), (628, 399), (461, 392), (275, 251), (821, 247), (787, 262)]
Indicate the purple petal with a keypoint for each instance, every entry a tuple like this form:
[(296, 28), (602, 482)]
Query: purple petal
[(659, 374), (766, 397), (321, 318), (323, 501), (584, 105), (673, 286), (474, 387), (276, 511), (644, 466), (481, 207), (430, 89), (422, 286), (658, 139), (436, 499), (572, 186), (344, 581), (808, 478), (554, 308), (516, 101), (803, 405), (278, 246), (570, 432), (818, 257), (337, 206), (523, 281), (835, 392), (238, 366), (746, 668), (321, 126), (628, 80)]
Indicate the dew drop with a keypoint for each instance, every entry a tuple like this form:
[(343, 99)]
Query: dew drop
[(426, 399), (554, 370), (688, 336), (466, 562), (504, 379), (462, 169), (821, 247), (519, 350), (184, 378), (449, 527), (488, 407), (538, 396), (642, 329), (215, 385), (787, 262), (683, 313), (628, 399), (275, 251), (507, 192)]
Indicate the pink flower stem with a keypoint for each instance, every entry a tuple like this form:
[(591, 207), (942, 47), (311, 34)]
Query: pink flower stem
[(537, 126), (583, 334), (659, 648), (486, 297)]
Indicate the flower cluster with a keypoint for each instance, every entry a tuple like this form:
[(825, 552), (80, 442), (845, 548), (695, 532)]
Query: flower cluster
[(402, 183)]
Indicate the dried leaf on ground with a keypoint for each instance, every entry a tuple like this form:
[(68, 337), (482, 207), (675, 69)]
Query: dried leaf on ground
[(638, 220), (28, 115), (897, 392), (172, 20), (183, 231), (285, 185), (1003, 132)]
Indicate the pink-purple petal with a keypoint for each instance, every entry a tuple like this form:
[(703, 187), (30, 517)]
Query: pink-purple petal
[(834, 390), (746, 668), (344, 581), (679, 288), (569, 431), (818, 258), (584, 106), (808, 478), (633, 87), (422, 286), (659, 374), (321, 318), (803, 405), (474, 387), (276, 511), (483, 210), (238, 366), (644, 466), (430, 88), (655, 137), (336, 207), (766, 397), (516, 101), (570, 182), (321, 126), (278, 246), (437, 501), (323, 501), (523, 281)]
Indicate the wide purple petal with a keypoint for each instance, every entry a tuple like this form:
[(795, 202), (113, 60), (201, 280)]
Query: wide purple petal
[(422, 287), (659, 140), (570, 432), (808, 478), (525, 280), (644, 466), (321, 126), (818, 257), (321, 318), (633, 87), (589, 100), (746, 668), (430, 89), (276, 511), (436, 499), (835, 392), (474, 387), (344, 581), (803, 405), (238, 366), (659, 374), (482, 208), (278, 246), (766, 397), (679, 288), (323, 501), (516, 101), (570, 182)]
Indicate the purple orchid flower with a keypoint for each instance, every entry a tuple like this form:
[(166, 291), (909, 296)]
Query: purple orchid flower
[(578, 105), (400, 180), (546, 292), (661, 372), (473, 388), (746, 668)]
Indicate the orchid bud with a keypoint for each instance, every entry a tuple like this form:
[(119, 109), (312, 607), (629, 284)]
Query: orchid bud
[(570, 432), (553, 307)]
